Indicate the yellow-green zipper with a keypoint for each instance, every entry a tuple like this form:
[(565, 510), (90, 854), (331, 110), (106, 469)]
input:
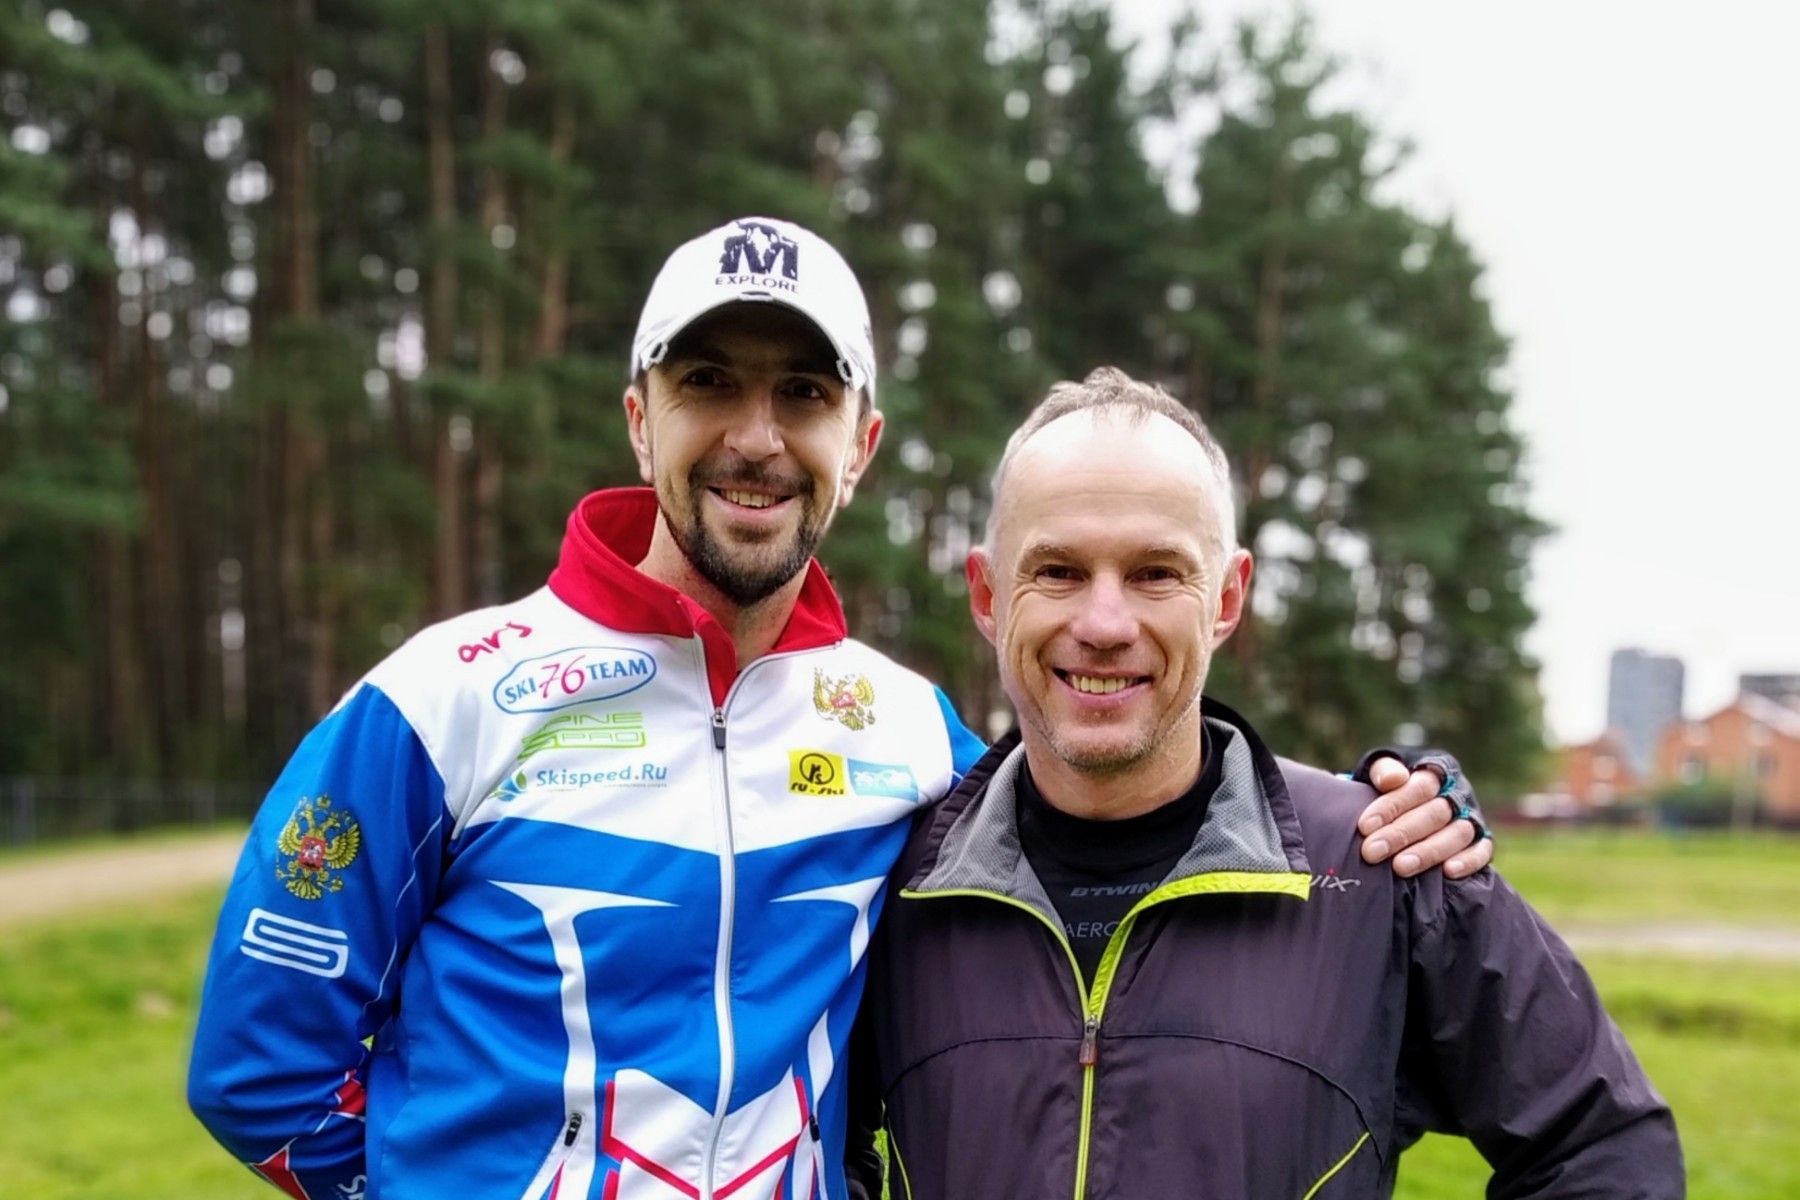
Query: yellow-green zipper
[(1286, 883)]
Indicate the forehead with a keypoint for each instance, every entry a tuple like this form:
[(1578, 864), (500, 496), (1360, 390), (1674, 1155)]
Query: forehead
[(747, 330), (1104, 485)]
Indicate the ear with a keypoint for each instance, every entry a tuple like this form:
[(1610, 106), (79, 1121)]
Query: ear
[(868, 436), (979, 568), (640, 434), (1234, 594)]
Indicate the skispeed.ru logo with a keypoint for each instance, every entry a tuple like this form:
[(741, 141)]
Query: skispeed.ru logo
[(573, 676)]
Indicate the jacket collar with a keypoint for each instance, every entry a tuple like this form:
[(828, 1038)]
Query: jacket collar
[(1251, 825), (608, 535)]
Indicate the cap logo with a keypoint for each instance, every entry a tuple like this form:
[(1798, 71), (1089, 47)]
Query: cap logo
[(757, 250)]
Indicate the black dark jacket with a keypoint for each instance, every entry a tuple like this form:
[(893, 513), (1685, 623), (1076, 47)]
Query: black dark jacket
[(1277, 1020)]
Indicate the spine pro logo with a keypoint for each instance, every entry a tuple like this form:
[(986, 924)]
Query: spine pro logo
[(584, 731), (286, 942), (573, 676)]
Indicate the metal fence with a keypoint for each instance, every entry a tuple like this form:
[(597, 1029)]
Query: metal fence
[(34, 810)]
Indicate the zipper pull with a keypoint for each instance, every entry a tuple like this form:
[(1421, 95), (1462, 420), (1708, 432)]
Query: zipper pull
[(574, 1128), (718, 729), (1090, 1041)]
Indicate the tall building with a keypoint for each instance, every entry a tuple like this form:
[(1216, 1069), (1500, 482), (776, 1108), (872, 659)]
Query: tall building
[(1643, 697)]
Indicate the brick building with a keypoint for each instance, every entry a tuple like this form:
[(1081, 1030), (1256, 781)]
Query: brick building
[(1595, 774), (1754, 742)]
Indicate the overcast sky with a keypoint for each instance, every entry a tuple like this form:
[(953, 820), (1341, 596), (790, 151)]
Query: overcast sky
[(1630, 181)]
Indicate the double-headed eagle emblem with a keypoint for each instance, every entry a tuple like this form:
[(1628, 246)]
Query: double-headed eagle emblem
[(850, 700), (319, 842)]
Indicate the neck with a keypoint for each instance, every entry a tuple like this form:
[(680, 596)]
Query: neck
[(753, 628), (1148, 783)]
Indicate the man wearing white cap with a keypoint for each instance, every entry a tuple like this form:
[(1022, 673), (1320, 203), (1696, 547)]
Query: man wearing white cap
[(569, 897)]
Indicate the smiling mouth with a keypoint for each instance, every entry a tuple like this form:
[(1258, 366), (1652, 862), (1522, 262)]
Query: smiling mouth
[(747, 499), (1100, 685)]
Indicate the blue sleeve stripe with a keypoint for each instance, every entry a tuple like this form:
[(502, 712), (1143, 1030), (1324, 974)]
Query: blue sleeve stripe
[(965, 748), (340, 867)]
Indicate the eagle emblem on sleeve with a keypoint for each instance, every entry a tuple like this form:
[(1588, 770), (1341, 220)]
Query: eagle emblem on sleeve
[(849, 701), (317, 843)]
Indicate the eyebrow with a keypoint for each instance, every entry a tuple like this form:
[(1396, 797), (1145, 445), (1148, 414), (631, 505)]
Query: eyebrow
[(1155, 552), (705, 352)]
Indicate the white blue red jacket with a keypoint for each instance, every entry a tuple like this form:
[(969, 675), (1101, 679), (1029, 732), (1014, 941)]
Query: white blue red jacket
[(559, 903)]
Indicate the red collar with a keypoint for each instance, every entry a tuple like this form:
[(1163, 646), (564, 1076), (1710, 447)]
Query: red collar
[(596, 575)]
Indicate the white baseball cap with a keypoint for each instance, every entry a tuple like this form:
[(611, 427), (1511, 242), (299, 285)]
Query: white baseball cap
[(761, 260)]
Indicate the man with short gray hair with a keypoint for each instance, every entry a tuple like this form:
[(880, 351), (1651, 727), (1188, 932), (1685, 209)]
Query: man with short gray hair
[(1134, 954)]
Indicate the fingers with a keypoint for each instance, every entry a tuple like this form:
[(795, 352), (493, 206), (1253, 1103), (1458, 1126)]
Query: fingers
[(1472, 860), (1388, 773), (1404, 824), (1433, 849), (1409, 792)]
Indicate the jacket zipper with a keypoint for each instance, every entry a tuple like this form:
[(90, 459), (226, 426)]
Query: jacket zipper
[(727, 916), (1088, 1056), (727, 919), (553, 1163)]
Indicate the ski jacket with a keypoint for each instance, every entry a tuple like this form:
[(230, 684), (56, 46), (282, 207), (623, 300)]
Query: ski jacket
[(557, 902), (1278, 1019)]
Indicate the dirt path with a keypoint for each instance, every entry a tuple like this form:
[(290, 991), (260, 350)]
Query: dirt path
[(77, 880), (1687, 939)]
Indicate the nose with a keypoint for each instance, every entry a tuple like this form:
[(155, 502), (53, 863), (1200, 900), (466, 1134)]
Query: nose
[(755, 431), (1104, 618)]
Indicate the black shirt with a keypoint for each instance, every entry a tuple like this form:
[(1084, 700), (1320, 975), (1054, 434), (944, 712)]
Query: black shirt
[(1094, 871)]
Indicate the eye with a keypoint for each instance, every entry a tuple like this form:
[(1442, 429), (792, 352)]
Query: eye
[(705, 378), (1058, 572), (807, 391)]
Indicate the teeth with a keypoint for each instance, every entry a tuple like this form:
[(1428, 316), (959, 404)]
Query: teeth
[(1099, 687), (748, 499)]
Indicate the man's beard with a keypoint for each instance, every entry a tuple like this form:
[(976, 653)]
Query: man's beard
[(745, 583)]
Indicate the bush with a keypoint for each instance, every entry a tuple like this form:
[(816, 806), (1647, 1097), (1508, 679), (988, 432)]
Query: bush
[(1710, 802)]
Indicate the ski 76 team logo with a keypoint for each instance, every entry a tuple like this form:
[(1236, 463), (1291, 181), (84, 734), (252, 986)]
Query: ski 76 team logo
[(573, 676)]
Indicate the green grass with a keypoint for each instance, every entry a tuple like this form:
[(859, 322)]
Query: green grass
[(96, 1013), (1722, 1043), (1720, 1038), (1619, 877), (95, 1018)]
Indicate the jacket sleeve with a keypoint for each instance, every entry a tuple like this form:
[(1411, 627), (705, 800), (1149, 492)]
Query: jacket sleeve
[(341, 866), (1507, 1044), (965, 748), (864, 1167)]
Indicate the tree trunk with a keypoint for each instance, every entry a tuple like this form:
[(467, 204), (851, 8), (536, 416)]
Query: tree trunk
[(440, 322), (489, 454), (1245, 644), (162, 632), (304, 538), (120, 701), (552, 333)]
